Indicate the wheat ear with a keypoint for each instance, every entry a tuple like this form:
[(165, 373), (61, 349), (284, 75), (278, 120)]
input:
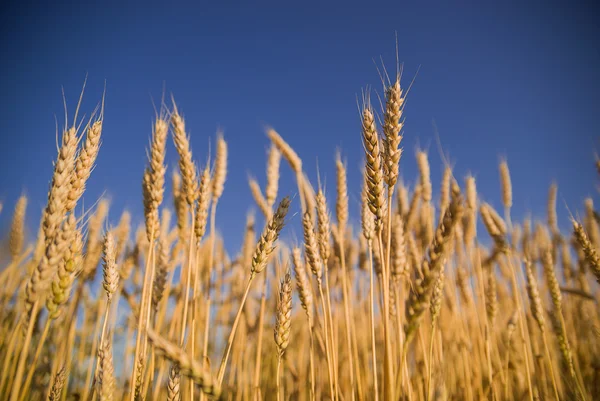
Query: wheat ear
[(16, 236), (57, 385), (186, 365), (84, 164), (420, 297), (590, 252), (283, 323), (392, 131), (273, 163), (264, 248)]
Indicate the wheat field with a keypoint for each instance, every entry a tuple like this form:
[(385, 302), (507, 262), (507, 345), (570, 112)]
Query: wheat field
[(401, 299)]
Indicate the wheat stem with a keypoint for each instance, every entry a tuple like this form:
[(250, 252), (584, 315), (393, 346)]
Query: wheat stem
[(36, 357), (430, 367), (328, 350), (14, 396), (372, 319), (261, 320), (140, 332), (236, 321)]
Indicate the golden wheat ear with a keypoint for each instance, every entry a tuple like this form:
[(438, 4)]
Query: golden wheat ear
[(590, 252), (187, 366), (57, 385), (16, 236)]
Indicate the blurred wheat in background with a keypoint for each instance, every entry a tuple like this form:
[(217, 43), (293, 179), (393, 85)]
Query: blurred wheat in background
[(400, 299)]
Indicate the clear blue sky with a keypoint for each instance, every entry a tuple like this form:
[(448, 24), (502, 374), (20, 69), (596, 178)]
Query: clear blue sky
[(515, 80)]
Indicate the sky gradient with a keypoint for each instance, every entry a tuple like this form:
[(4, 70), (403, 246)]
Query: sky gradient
[(520, 81)]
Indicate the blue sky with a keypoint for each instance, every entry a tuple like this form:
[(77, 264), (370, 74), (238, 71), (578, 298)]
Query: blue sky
[(515, 80)]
